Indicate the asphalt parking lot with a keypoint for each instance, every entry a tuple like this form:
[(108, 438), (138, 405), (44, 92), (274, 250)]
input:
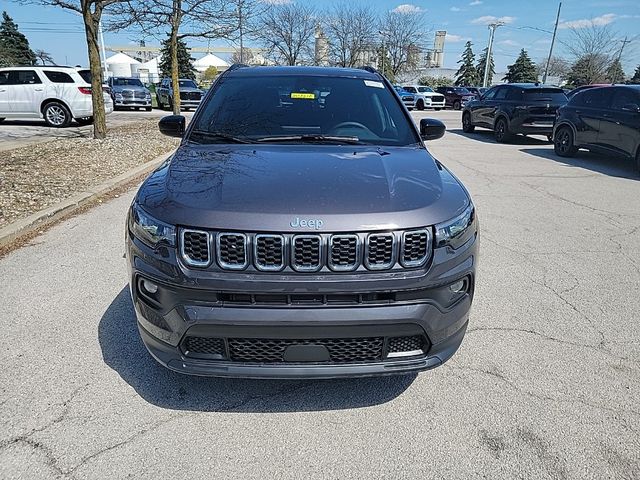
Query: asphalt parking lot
[(545, 385)]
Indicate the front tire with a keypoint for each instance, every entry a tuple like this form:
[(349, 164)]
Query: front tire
[(563, 142), (148, 109), (84, 121), (56, 115), (456, 105), (467, 126), (420, 105), (501, 131), (437, 109)]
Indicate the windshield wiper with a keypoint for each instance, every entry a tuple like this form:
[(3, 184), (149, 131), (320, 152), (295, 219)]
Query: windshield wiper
[(218, 136), (311, 138)]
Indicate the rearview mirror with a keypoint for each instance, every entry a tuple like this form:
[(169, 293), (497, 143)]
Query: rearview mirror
[(172, 125), (631, 107), (431, 129)]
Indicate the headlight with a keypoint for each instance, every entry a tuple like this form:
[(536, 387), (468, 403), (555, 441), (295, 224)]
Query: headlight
[(457, 230), (149, 230)]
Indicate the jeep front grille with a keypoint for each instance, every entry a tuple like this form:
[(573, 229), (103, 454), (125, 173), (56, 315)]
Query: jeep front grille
[(306, 253)]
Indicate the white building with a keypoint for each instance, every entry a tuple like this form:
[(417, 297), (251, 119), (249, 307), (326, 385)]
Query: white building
[(210, 60), (122, 65)]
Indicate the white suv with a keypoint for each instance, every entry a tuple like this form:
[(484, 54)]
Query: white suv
[(57, 94), (426, 97)]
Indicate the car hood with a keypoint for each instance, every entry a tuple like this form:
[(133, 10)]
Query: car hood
[(430, 94), (265, 188), (190, 89)]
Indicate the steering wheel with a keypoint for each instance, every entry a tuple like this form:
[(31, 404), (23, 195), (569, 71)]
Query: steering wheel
[(350, 124)]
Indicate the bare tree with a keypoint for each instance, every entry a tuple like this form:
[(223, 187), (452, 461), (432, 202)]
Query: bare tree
[(183, 18), (91, 12), (351, 31), (246, 16), (592, 48), (44, 58), (287, 32), (244, 56), (403, 34), (558, 67)]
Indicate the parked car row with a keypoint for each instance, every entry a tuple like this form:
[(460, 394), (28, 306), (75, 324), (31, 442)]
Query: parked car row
[(602, 119)]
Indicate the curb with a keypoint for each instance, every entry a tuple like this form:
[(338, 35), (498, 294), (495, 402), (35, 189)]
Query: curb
[(41, 219)]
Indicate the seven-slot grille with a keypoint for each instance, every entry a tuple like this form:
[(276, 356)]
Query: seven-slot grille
[(306, 252), (344, 252), (190, 95), (437, 98)]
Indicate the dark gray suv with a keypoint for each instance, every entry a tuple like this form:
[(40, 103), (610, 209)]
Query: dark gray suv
[(302, 229)]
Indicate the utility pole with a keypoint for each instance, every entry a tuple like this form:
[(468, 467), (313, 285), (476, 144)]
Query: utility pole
[(553, 40), (624, 43), (487, 63)]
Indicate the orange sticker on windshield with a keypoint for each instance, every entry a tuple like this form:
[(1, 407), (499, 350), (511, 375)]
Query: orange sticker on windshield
[(303, 95)]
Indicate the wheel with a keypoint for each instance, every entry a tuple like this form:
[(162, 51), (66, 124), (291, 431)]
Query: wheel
[(409, 108), (420, 104), (148, 109), (563, 142), (56, 115), (437, 109), (501, 131), (456, 105), (467, 126), (84, 121), (159, 102), (1, 120)]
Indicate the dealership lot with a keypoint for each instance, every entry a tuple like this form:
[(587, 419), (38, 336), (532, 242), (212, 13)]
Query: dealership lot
[(545, 385)]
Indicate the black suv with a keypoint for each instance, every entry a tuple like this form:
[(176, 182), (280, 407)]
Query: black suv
[(455, 97), (526, 108), (313, 236), (605, 120)]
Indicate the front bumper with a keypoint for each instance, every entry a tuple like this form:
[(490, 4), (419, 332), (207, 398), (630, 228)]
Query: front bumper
[(132, 103), (192, 307)]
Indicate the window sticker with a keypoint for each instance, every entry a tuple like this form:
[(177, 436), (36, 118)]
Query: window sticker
[(303, 95), (372, 83)]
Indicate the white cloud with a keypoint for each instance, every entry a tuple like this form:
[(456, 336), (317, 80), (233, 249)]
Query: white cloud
[(605, 19), (475, 2), (509, 43), (407, 8), (455, 9), (277, 2), (450, 37), (487, 19)]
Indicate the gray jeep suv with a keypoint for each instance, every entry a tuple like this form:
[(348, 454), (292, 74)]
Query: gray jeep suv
[(302, 229)]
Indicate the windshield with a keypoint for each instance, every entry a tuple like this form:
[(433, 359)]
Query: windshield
[(552, 95), (462, 91), (128, 82), (425, 89), (294, 109), (187, 84)]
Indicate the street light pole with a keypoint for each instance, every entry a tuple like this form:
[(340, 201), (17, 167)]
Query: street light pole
[(553, 41), (487, 63)]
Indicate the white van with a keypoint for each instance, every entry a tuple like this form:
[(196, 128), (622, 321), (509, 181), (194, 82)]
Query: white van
[(56, 94)]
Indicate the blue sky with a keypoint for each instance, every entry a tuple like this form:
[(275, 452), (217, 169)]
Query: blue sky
[(61, 34)]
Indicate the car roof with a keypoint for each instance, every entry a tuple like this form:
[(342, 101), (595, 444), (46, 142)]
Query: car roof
[(532, 85), (302, 71), (48, 67)]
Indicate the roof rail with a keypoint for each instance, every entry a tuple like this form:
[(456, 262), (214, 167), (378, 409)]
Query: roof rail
[(236, 66), (369, 69)]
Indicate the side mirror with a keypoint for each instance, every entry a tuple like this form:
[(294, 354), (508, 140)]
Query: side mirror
[(172, 125), (431, 129), (631, 107)]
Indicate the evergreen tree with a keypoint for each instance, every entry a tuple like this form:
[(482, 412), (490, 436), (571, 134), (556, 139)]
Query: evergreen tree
[(588, 69), (467, 73), (523, 71), (615, 73), (14, 46), (480, 67), (185, 60), (635, 80)]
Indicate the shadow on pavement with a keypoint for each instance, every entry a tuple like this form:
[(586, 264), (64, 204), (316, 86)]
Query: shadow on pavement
[(124, 352), (487, 137), (608, 165)]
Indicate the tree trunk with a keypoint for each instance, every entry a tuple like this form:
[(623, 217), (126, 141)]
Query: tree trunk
[(91, 22), (173, 51)]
